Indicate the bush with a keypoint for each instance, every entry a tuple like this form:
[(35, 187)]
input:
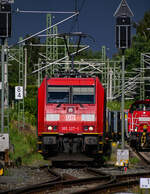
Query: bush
[(30, 105), (25, 145), (116, 105)]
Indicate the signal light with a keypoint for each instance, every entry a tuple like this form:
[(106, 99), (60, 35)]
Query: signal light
[(5, 20)]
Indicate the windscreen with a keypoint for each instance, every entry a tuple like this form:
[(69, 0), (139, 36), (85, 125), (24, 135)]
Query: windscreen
[(140, 107), (58, 94), (83, 95), (71, 94)]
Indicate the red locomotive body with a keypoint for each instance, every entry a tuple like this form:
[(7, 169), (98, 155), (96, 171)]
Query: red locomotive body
[(139, 124), (71, 116)]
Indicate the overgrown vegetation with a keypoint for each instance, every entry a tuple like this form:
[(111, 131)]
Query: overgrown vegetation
[(23, 140), (116, 105), (134, 161)]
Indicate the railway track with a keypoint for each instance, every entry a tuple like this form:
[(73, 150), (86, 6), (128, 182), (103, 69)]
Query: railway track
[(65, 180), (144, 156), (119, 184), (89, 180), (48, 176)]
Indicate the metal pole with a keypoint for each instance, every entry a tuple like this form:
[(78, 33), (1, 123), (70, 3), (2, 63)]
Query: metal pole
[(107, 79), (2, 90), (25, 76), (6, 98), (110, 84), (142, 81), (122, 101), (114, 78)]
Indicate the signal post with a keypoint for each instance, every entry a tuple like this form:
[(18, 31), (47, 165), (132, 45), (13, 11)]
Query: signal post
[(5, 32), (123, 16)]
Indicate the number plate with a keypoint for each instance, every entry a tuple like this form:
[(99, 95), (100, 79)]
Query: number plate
[(70, 117)]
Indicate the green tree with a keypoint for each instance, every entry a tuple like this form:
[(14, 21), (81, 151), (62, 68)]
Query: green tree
[(143, 25)]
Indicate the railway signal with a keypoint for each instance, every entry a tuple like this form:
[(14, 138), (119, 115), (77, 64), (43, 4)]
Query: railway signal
[(5, 20), (123, 16), (5, 32)]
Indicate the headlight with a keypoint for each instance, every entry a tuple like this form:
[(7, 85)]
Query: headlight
[(88, 117), (91, 128), (50, 128), (135, 129), (52, 117)]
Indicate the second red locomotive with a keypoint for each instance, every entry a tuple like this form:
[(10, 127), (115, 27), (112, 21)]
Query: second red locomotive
[(71, 116), (139, 124)]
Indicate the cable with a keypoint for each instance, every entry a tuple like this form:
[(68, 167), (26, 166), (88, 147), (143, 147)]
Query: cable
[(76, 5), (75, 20), (75, 24)]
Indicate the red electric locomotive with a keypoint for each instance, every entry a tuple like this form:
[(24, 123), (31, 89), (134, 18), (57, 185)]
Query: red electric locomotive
[(139, 124), (71, 116)]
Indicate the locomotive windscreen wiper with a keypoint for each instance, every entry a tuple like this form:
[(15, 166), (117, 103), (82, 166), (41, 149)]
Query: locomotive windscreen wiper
[(59, 104)]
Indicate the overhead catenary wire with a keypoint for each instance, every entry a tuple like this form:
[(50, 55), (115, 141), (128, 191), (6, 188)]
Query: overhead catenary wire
[(75, 24), (44, 12), (43, 68), (36, 34), (82, 5)]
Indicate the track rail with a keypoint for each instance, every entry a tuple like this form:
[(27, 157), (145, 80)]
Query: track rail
[(141, 155), (120, 182), (57, 177), (102, 182), (60, 183)]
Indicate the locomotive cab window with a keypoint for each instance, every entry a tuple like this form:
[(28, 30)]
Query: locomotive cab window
[(83, 95), (58, 94), (140, 107)]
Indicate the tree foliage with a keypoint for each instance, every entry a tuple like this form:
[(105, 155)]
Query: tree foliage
[(143, 26)]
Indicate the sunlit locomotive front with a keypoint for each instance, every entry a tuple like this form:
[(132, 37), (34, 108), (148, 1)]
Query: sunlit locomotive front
[(139, 124), (71, 116)]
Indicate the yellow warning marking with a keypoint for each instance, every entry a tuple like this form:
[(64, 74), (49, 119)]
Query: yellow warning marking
[(1, 171), (50, 133), (114, 144)]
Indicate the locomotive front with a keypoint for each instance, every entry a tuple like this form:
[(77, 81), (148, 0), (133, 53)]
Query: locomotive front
[(70, 116), (139, 124)]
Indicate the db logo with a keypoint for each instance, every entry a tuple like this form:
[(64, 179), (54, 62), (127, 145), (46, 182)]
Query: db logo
[(70, 110)]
